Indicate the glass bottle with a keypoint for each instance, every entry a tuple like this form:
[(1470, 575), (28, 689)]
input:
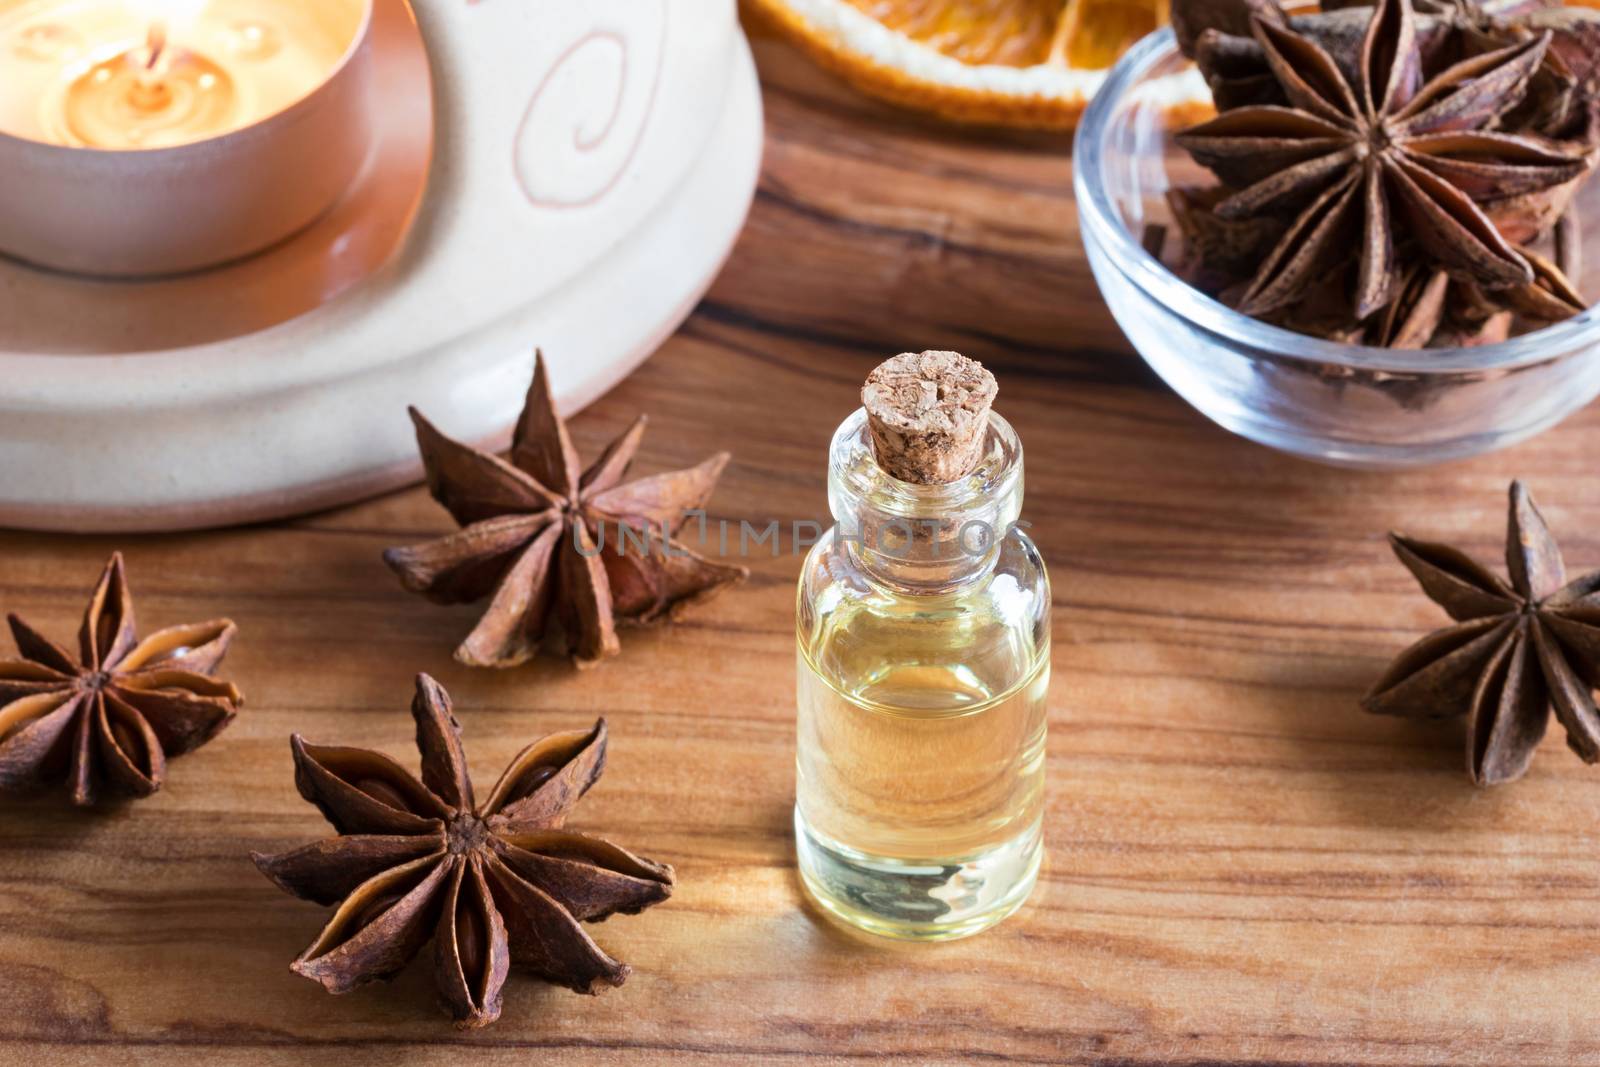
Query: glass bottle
[(923, 669)]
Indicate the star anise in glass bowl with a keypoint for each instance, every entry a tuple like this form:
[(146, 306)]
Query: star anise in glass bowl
[(1398, 195), (1402, 167), (492, 883)]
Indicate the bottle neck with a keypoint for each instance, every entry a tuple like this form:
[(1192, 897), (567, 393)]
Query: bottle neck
[(923, 538)]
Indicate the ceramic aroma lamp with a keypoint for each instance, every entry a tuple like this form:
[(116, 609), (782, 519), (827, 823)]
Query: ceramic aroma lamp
[(149, 137), (540, 173)]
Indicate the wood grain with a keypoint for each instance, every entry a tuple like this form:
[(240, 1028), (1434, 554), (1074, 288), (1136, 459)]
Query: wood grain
[(1243, 867)]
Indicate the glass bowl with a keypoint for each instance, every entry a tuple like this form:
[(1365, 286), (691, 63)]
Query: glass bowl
[(1338, 403)]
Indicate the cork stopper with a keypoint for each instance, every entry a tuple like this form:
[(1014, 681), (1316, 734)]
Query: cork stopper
[(929, 414)]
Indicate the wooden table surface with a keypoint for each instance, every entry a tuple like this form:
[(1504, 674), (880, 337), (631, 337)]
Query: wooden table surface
[(1242, 866)]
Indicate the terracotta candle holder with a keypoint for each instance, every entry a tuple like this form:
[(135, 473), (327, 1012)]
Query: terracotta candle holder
[(142, 212)]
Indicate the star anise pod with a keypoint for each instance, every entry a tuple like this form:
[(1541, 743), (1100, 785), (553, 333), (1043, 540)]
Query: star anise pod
[(1463, 29), (547, 538), (1434, 310), (1572, 112), (1236, 68), (1563, 97), (1445, 27), (105, 720), (1517, 648), (1193, 19), (1565, 93), (492, 884), (1386, 159), (1217, 251)]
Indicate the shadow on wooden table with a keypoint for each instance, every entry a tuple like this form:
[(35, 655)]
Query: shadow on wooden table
[(1373, 771)]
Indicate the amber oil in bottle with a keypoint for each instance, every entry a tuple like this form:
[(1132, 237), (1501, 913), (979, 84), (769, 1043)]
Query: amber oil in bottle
[(923, 669)]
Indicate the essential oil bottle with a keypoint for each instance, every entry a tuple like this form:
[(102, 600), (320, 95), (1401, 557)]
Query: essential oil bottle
[(924, 664)]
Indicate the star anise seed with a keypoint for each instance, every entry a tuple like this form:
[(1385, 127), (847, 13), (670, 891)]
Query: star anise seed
[(1518, 648), (548, 539), (106, 719), (493, 884)]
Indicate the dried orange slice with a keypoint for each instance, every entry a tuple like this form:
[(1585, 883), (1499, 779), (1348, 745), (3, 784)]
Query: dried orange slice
[(1032, 63)]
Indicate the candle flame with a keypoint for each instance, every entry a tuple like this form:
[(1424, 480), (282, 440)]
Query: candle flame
[(149, 92), (165, 17), (156, 42)]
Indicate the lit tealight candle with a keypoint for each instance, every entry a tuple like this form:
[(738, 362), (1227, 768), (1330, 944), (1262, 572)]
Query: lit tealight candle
[(147, 137), (132, 74)]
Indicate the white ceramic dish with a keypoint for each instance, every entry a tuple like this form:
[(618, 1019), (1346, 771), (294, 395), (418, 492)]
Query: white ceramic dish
[(593, 165)]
